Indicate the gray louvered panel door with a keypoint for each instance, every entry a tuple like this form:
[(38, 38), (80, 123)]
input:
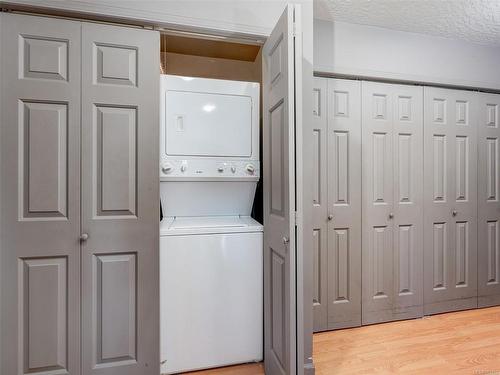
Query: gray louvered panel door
[(40, 174), (344, 203), (488, 200), (392, 196), (450, 200), (120, 200), (319, 211)]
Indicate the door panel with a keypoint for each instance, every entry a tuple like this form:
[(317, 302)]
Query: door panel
[(450, 232), (279, 198), (408, 201), (120, 208), (392, 202), (488, 200), (40, 174), (320, 205), (343, 214)]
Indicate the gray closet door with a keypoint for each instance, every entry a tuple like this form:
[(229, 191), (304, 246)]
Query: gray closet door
[(279, 197), (40, 216), (344, 203), (120, 200), (488, 200), (450, 222), (320, 205), (392, 196)]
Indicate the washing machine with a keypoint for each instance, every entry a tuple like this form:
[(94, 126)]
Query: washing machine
[(211, 249)]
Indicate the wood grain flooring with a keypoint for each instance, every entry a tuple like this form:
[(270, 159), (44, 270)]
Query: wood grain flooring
[(466, 342)]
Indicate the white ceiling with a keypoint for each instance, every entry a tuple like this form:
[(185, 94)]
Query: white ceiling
[(476, 21)]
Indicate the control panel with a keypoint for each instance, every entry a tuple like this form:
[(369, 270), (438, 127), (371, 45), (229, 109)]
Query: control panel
[(208, 168)]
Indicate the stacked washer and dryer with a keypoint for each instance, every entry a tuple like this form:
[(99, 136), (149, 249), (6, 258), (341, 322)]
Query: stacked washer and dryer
[(211, 249)]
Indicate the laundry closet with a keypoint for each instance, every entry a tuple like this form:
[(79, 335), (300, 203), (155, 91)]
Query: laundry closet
[(211, 249), (151, 195), (405, 201)]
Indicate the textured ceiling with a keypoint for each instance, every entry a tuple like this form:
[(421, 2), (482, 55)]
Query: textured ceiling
[(476, 21)]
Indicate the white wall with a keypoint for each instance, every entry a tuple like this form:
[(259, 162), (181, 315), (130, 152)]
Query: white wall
[(375, 52), (256, 17)]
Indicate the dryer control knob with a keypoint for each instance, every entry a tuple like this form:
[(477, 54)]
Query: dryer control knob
[(233, 169), (220, 169), (166, 168), (250, 169), (184, 167)]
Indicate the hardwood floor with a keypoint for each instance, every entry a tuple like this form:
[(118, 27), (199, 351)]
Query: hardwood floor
[(466, 342)]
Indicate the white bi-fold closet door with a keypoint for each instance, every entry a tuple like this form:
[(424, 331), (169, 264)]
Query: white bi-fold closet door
[(392, 202), (79, 193), (336, 203), (367, 198), (424, 163), (488, 228), (450, 231)]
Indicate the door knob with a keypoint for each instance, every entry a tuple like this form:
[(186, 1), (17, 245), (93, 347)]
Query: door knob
[(84, 237), (330, 217), (286, 240), (454, 212), (391, 215)]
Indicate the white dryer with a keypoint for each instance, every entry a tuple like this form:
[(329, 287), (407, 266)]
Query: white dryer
[(211, 250)]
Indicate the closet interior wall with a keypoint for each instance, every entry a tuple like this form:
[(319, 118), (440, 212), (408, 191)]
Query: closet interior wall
[(406, 207)]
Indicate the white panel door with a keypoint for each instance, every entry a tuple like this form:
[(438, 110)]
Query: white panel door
[(40, 216), (392, 196), (279, 197), (120, 200), (319, 204), (450, 222), (344, 203), (488, 250)]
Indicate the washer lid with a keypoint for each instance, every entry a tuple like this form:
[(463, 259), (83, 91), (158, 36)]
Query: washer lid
[(208, 224)]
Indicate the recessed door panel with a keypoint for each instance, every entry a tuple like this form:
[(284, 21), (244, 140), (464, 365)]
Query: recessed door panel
[(405, 175), (405, 267), (342, 215), (278, 340), (115, 140), (488, 200), (341, 190), (440, 259), (40, 195), (43, 57), (462, 167), (43, 307), (120, 203), (43, 156), (317, 259), (115, 64), (439, 168), (341, 262), (493, 252), (115, 304), (277, 133), (450, 170)]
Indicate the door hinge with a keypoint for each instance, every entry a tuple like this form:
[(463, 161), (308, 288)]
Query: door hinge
[(295, 218)]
